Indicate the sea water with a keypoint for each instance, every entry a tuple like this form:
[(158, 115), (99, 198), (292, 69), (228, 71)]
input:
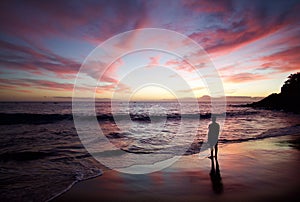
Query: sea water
[(41, 154)]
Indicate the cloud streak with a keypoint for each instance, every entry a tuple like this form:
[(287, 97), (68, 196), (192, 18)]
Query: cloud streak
[(282, 61), (24, 58), (245, 77)]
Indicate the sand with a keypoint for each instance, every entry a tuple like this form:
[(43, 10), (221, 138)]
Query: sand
[(262, 170)]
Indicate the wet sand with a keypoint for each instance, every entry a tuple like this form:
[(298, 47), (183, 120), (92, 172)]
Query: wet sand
[(262, 170)]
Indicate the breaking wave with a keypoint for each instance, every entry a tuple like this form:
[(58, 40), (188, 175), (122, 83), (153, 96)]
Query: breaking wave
[(35, 119)]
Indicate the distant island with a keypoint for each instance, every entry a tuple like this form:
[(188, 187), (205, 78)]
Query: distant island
[(248, 99), (288, 99)]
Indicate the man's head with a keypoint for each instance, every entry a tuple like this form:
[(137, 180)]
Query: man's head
[(213, 118)]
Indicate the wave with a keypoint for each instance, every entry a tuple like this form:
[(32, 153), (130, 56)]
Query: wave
[(79, 178), (50, 167), (35, 119), (53, 155), (276, 132), (25, 156), (116, 135), (26, 118), (144, 117), (198, 146)]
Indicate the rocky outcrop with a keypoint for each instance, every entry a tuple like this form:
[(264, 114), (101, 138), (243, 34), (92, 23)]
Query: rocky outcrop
[(288, 99)]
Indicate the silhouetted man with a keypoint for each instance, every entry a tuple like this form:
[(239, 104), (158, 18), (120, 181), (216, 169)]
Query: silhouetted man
[(213, 136)]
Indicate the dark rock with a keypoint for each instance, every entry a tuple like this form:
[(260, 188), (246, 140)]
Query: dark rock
[(288, 99)]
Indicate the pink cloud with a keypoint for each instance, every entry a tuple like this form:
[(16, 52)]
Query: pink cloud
[(282, 61), (207, 6), (13, 88), (109, 80), (94, 68), (112, 69), (180, 65), (37, 84), (245, 77), (113, 87), (154, 60)]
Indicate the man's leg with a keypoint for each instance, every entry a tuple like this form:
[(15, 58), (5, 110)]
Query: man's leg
[(211, 152), (216, 150)]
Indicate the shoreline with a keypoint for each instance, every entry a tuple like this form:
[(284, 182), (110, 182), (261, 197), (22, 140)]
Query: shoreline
[(71, 186), (263, 169)]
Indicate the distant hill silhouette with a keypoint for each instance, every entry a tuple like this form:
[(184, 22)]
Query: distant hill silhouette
[(288, 99)]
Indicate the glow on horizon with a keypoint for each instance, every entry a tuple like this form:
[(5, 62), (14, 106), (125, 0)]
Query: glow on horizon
[(152, 93)]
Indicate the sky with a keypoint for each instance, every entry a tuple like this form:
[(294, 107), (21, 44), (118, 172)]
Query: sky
[(254, 46)]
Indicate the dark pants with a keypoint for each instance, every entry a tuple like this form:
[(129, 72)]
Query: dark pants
[(212, 150)]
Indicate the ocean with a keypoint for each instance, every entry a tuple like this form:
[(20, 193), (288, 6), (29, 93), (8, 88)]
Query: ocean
[(42, 156)]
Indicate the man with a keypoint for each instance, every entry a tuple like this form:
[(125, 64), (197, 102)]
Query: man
[(213, 136)]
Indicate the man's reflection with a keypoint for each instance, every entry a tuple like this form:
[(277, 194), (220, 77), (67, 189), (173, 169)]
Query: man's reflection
[(215, 177)]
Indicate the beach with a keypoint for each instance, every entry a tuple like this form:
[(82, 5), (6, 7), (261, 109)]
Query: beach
[(43, 158), (260, 170)]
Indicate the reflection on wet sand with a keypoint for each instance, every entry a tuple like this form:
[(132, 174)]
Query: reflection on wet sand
[(215, 177)]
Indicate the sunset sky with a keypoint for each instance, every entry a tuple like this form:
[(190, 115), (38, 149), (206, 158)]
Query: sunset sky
[(254, 45)]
